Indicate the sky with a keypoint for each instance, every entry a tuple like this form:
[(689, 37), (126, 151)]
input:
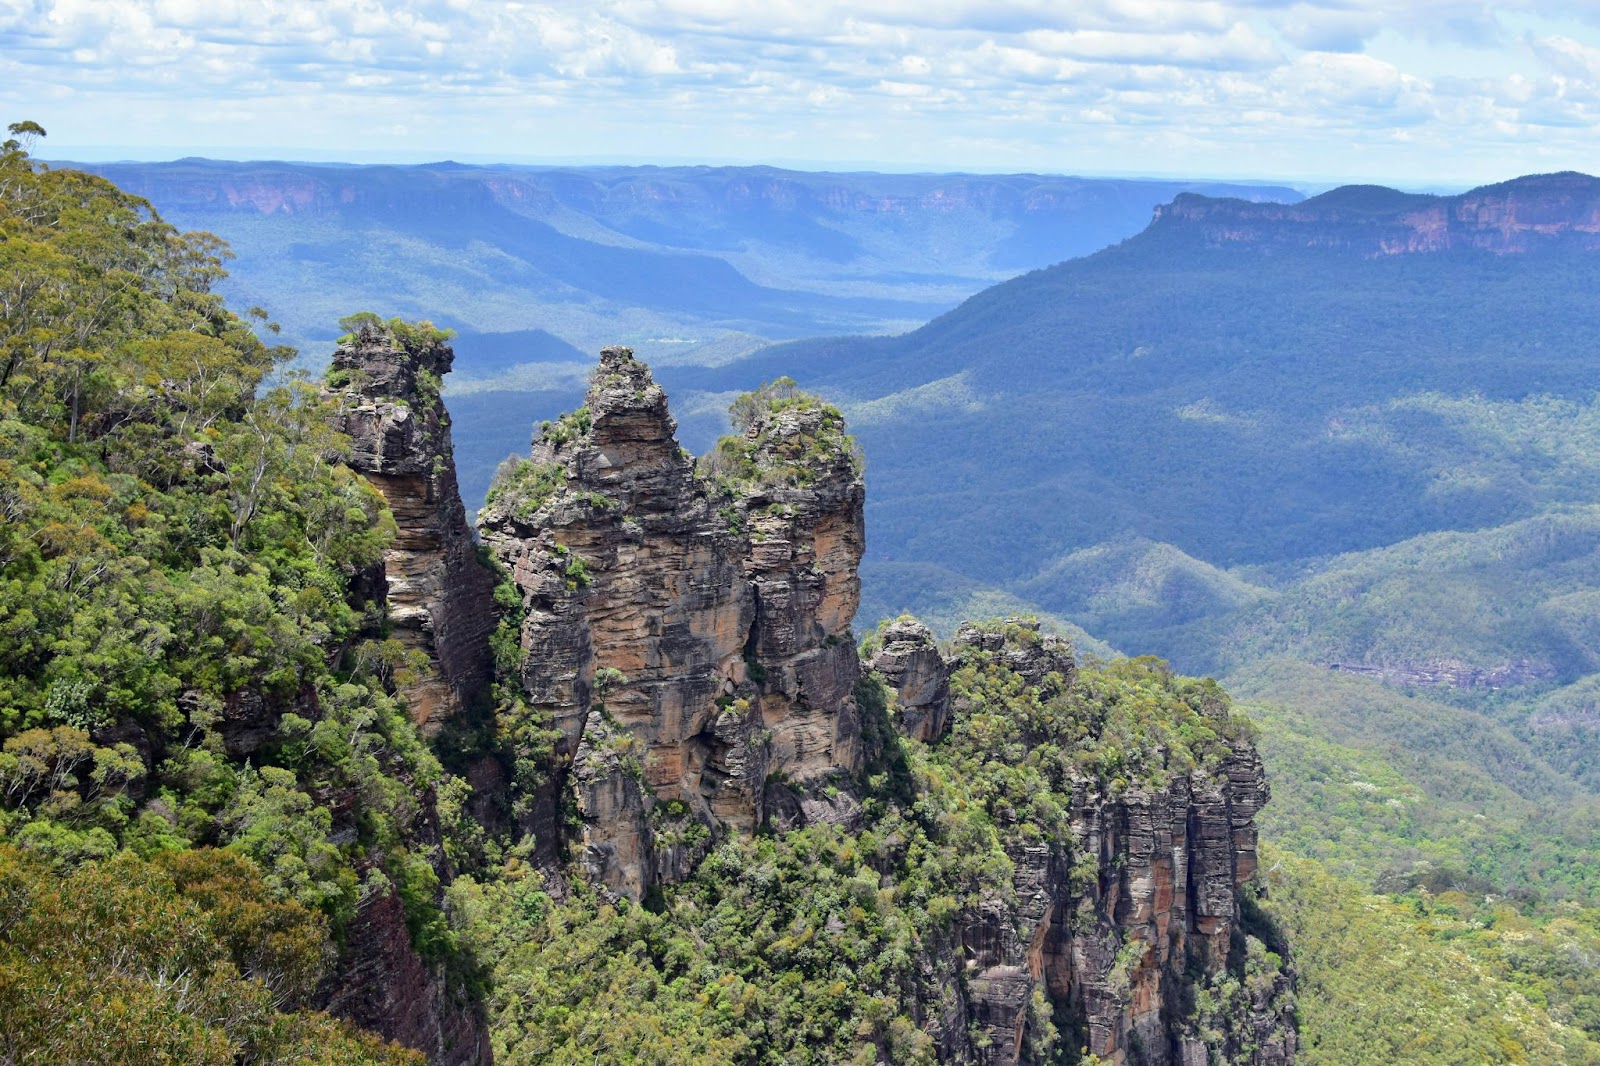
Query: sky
[(1425, 93)]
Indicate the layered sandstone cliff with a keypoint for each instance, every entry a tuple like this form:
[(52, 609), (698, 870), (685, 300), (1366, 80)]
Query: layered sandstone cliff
[(1126, 926), (1540, 213), (440, 598), (687, 636)]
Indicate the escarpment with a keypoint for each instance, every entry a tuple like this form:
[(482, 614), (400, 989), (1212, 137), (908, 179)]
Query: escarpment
[(686, 634), (1542, 213), (440, 598)]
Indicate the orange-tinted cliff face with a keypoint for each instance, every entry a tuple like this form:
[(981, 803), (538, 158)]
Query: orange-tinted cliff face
[(1546, 212)]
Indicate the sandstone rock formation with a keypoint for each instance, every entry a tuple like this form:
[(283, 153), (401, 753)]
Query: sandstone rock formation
[(1125, 922), (439, 603), (908, 660), (687, 636), (440, 598)]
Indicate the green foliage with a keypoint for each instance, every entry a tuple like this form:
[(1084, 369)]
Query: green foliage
[(522, 486), (1129, 723), (1383, 981), (785, 437), (581, 980), (569, 427), (350, 325), (414, 337), (187, 656), (429, 387), (1397, 791), (790, 948), (607, 678), (751, 410), (189, 958), (577, 572)]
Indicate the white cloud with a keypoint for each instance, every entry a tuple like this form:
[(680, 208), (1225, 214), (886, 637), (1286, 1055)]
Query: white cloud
[(1171, 85), (1325, 29)]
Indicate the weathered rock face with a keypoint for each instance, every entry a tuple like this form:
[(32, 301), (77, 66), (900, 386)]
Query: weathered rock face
[(440, 597), (1124, 923), (909, 662), (686, 640), (382, 984), (1453, 673)]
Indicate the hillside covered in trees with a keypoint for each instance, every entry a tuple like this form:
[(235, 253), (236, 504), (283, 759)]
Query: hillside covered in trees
[(176, 563)]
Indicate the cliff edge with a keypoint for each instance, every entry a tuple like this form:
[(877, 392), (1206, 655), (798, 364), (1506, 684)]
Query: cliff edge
[(440, 598), (1541, 213)]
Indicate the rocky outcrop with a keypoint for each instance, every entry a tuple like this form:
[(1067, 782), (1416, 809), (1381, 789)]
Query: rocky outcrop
[(382, 984), (1123, 923), (686, 636), (1453, 673), (686, 644), (1540, 213), (908, 660), (440, 597), (438, 602)]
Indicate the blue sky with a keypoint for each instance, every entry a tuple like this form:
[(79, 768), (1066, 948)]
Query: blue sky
[(1430, 92)]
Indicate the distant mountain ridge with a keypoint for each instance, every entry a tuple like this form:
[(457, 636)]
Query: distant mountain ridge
[(1542, 212), (600, 255)]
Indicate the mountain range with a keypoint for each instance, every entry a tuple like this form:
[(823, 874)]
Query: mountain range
[(667, 259)]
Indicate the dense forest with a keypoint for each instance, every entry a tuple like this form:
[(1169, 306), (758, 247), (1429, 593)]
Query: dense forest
[(176, 561)]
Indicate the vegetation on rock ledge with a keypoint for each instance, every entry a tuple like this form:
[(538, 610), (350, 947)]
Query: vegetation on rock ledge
[(784, 437)]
